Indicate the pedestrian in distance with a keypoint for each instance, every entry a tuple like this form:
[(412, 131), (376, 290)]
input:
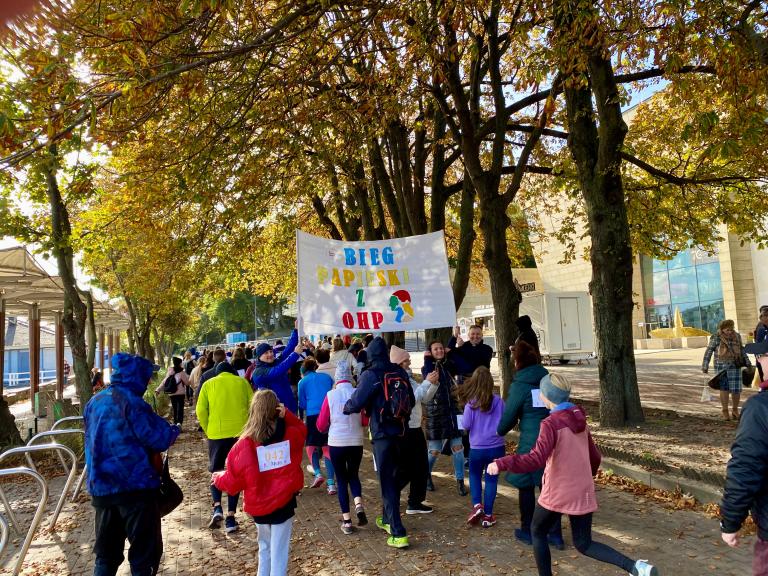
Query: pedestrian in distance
[(416, 461), (482, 413), (345, 442), (526, 334), (239, 362), (525, 410), (384, 392), (97, 382), (265, 465), (729, 359), (222, 409), (177, 391), (746, 489), (570, 459), (121, 432), (313, 388)]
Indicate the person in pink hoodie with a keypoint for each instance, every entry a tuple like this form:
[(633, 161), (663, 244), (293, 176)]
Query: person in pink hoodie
[(570, 459)]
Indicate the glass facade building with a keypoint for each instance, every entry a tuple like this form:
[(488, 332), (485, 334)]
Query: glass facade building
[(690, 281)]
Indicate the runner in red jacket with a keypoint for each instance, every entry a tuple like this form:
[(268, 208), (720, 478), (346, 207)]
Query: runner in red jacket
[(265, 464)]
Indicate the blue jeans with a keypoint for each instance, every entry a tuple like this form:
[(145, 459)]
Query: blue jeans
[(274, 547), (328, 466), (479, 458), (434, 447)]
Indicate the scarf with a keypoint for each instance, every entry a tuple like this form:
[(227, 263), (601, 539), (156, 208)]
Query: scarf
[(729, 349)]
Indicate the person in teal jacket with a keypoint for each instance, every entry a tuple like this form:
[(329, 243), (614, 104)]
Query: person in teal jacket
[(524, 407)]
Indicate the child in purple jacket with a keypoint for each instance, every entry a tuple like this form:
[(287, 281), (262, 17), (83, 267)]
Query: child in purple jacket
[(482, 412)]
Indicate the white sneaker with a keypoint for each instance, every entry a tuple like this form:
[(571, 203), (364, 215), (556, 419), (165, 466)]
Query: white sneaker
[(642, 568)]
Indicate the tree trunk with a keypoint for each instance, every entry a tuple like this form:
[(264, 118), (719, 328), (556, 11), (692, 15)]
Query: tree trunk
[(9, 434), (394, 339), (506, 297), (467, 237), (73, 318), (91, 338), (131, 340), (159, 355), (440, 334), (596, 147)]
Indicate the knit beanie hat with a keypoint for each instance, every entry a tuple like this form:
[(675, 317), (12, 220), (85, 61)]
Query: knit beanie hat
[(343, 372), (261, 349), (398, 355), (557, 391)]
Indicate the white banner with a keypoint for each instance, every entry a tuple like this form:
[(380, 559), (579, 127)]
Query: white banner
[(383, 286)]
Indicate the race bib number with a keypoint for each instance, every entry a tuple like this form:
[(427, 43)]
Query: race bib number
[(536, 398), (274, 456), (460, 421)]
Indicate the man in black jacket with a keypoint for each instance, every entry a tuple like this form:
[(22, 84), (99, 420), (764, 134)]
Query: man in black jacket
[(474, 353), (746, 484), (388, 436)]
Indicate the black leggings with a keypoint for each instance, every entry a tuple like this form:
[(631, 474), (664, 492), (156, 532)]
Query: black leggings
[(346, 465), (177, 406), (581, 529), (527, 498)]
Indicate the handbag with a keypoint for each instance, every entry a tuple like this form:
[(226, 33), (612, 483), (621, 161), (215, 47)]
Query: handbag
[(747, 374), (714, 382), (169, 493)]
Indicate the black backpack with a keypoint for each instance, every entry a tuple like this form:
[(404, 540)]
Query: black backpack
[(169, 384), (397, 398)]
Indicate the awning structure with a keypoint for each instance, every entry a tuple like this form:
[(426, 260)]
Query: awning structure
[(27, 289)]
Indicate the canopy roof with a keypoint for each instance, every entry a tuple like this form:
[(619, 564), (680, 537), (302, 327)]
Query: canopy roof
[(24, 283)]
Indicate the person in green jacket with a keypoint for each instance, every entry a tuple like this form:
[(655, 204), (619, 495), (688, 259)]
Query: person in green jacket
[(524, 407), (222, 409)]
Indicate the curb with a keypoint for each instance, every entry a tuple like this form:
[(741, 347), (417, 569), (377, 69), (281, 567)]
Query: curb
[(704, 493)]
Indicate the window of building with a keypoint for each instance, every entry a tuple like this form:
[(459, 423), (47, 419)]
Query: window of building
[(691, 282)]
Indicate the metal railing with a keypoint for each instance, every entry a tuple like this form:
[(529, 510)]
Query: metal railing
[(21, 379), (27, 450), (67, 419), (35, 519), (61, 432)]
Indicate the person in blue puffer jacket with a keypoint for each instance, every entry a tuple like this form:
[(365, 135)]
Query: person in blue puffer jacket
[(273, 374), (121, 431)]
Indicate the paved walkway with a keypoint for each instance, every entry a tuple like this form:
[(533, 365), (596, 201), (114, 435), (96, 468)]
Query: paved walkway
[(679, 542)]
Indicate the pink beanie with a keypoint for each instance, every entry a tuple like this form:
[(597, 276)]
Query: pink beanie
[(398, 355)]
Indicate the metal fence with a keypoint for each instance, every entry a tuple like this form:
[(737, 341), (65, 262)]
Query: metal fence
[(21, 379)]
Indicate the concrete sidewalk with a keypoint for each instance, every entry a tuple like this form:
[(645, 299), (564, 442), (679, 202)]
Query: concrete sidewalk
[(679, 542)]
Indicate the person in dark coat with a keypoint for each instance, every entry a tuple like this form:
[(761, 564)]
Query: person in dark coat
[(746, 482), (389, 436), (441, 411), (218, 357), (524, 408), (526, 334), (474, 352), (272, 372)]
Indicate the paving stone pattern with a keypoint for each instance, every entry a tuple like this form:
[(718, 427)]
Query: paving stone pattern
[(679, 542)]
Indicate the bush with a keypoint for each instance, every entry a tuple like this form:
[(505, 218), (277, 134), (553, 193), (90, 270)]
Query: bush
[(160, 403)]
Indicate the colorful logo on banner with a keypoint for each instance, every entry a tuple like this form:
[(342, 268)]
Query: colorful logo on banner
[(400, 304)]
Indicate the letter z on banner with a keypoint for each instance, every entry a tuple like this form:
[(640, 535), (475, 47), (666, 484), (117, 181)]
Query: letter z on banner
[(383, 286)]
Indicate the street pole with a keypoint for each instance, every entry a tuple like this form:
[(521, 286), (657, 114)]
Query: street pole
[(255, 320)]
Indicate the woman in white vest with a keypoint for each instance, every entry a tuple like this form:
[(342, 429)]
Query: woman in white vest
[(345, 441)]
